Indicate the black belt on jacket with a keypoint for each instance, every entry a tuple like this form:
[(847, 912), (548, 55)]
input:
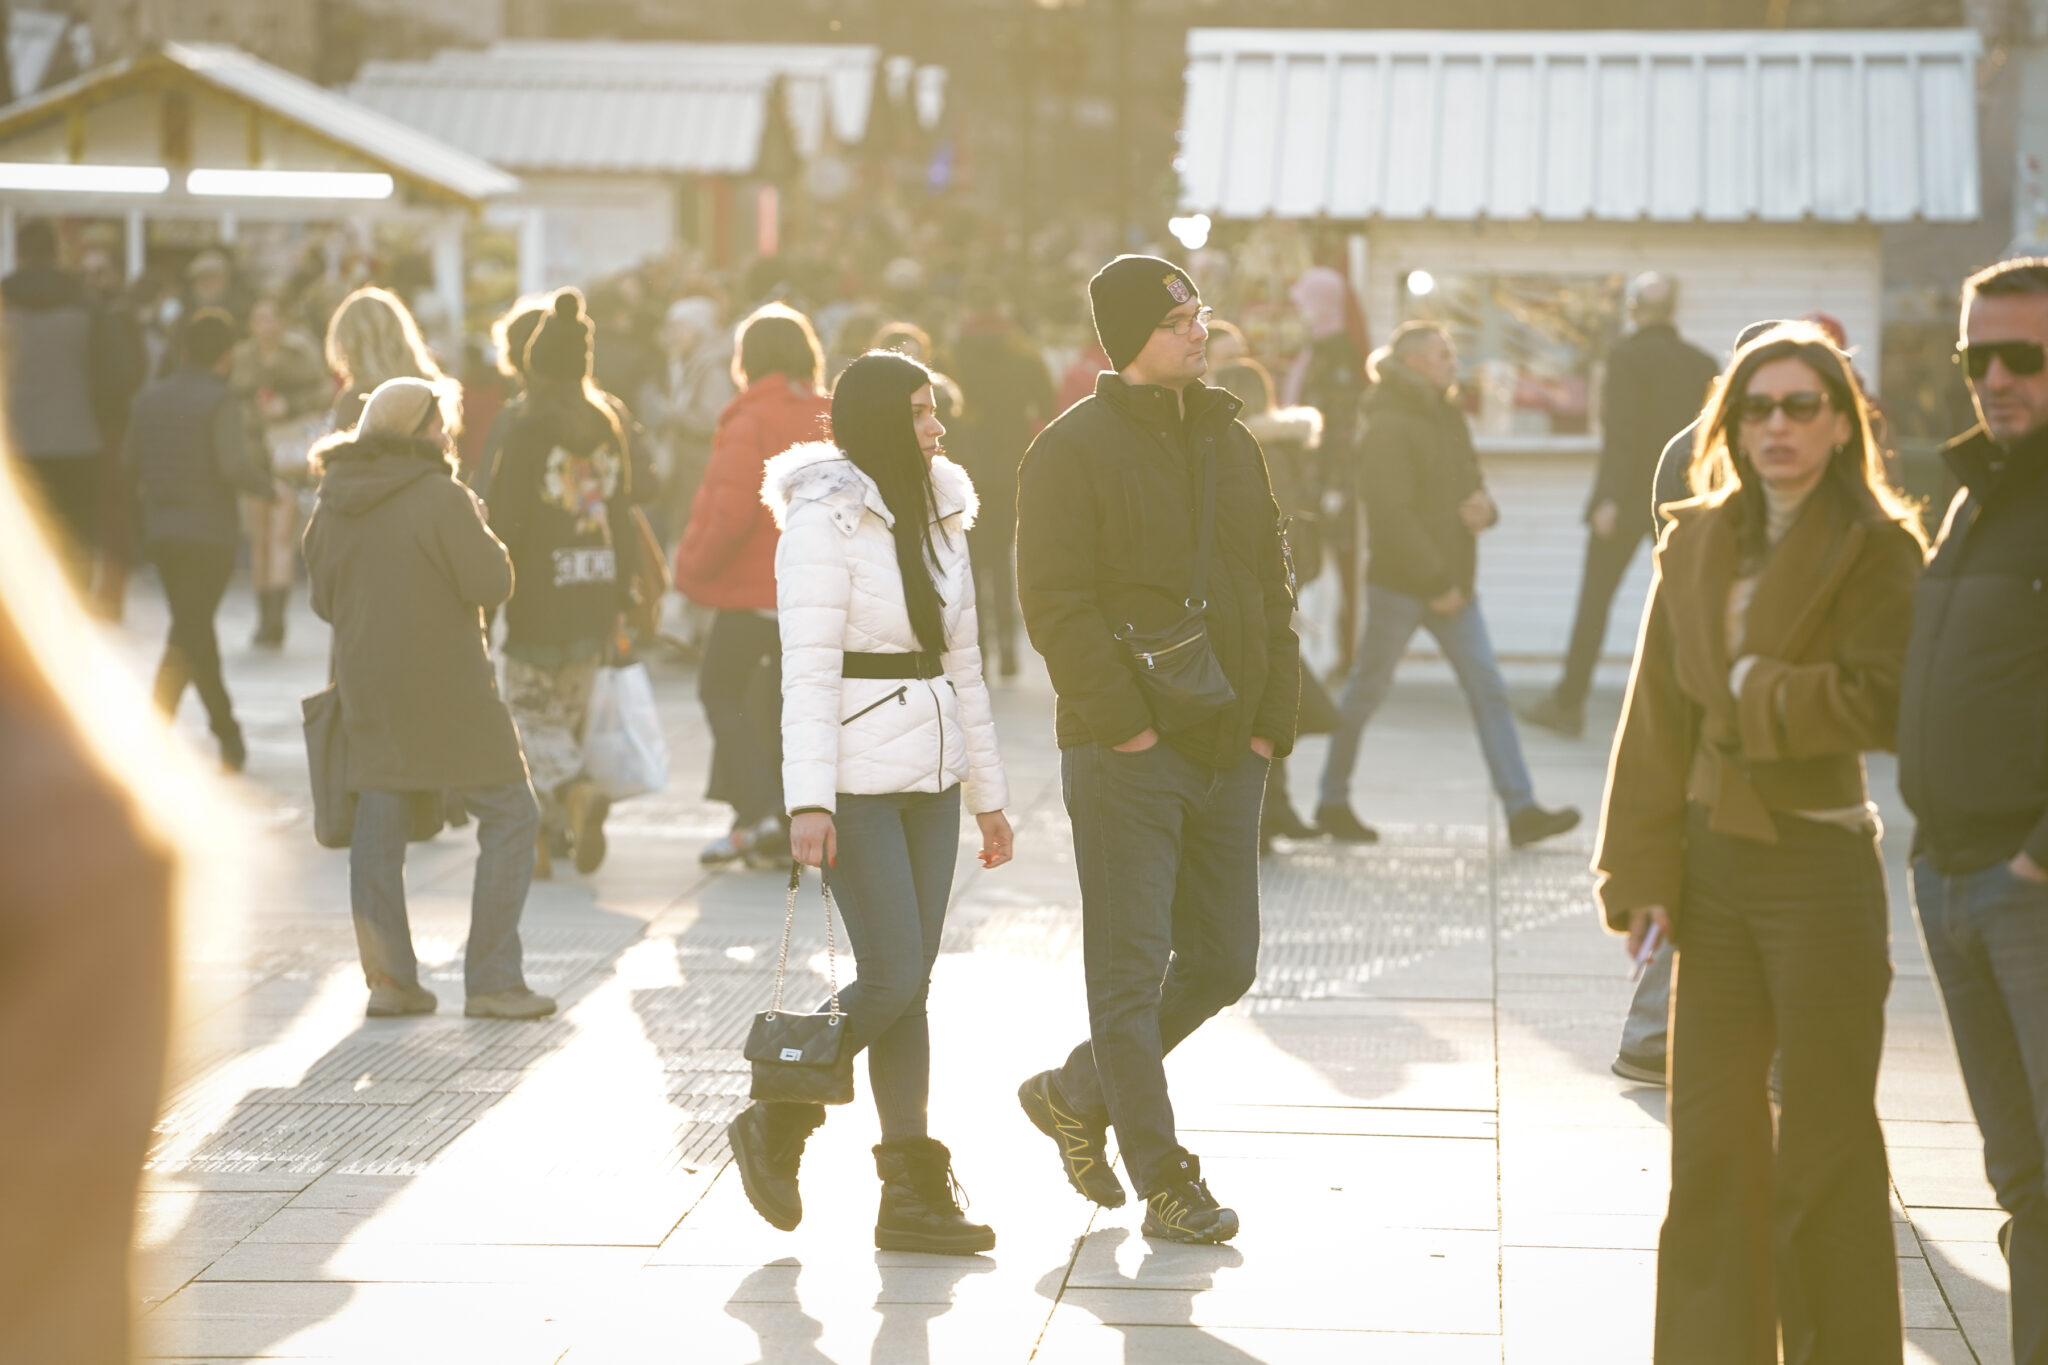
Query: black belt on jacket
[(922, 664)]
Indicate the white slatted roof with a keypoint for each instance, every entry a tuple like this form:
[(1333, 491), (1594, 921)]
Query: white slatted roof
[(1618, 126), (665, 108)]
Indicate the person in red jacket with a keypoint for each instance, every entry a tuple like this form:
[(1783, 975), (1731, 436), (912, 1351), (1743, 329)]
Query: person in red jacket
[(726, 561)]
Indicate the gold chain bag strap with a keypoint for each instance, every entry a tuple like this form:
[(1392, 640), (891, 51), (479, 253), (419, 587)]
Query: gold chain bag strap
[(802, 1058)]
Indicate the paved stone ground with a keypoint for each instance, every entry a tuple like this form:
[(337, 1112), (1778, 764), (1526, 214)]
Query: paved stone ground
[(1412, 1111)]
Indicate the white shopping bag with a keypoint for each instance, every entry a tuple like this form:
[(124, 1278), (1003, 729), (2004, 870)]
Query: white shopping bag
[(624, 751)]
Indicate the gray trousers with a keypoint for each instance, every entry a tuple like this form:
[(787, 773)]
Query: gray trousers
[(1643, 1033), (507, 821)]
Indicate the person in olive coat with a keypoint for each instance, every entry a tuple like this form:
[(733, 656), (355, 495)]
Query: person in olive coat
[(403, 567)]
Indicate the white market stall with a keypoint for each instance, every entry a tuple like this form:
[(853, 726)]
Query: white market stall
[(208, 134), (1511, 182), (626, 148)]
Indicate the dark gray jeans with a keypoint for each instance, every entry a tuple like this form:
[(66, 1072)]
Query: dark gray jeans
[(507, 821), (1987, 939), (892, 881), (1168, 854)]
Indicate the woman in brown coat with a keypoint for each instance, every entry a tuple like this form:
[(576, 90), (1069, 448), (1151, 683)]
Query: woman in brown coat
[(1737, 821)]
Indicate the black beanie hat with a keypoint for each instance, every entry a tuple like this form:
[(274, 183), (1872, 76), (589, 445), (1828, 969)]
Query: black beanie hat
[(560, 348), (1129, 296)]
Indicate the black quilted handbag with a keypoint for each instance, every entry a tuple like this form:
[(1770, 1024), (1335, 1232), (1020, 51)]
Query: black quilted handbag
[(802, 1058)]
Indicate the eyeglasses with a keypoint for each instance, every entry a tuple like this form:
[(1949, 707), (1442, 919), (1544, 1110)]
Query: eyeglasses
[(1184, 324), (2021, 358), (1801, 407)]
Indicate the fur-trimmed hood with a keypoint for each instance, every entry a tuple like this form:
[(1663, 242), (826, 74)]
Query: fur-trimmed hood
[(357, 473), (819, 471), (1295, 426)]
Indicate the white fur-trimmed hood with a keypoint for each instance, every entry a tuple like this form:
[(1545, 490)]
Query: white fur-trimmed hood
[(818, 471)]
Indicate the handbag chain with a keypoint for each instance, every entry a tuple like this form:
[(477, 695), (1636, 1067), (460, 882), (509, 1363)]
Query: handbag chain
[(796, 881)]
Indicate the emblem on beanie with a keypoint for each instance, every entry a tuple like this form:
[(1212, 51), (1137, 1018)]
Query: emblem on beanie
[(1177, 289)]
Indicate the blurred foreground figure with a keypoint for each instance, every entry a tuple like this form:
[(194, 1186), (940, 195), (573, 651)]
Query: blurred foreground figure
[(1738, 821), (1973, 763), (403, 566), (86, 891)]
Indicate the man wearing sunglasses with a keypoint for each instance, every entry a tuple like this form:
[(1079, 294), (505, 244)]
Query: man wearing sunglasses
[(1973, 762)]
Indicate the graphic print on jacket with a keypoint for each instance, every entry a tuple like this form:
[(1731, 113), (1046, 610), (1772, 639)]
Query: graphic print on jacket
[(838, 591)]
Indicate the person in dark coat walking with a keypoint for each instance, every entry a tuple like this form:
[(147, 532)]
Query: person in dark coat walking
[(1426, 503), (1656, 381), (1006, 399), (188, 450), (1165, 803), (1973, 763), (57, 351), (403, 566)]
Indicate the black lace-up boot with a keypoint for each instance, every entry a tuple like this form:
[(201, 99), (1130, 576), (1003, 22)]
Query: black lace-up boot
[(767, 1146), (921, 1202)]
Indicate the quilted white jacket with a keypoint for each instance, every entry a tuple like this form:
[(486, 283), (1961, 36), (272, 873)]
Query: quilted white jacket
[(838, 590)]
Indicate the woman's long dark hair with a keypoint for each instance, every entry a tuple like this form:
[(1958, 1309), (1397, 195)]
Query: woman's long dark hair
[(871, 422), (1856, 468)]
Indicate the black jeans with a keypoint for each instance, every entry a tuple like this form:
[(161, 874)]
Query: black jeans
[(195, 577), (892, 881), (1168, 854), (740, 684), (1785, 944), (1607, 561)]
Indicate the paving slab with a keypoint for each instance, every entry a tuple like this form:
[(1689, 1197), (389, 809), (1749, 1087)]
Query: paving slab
[(1411, 1109)]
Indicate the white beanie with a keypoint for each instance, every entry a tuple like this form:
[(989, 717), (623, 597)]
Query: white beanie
[(398, 407)]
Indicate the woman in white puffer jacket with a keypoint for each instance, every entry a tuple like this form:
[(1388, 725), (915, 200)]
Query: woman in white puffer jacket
[(885, 725)]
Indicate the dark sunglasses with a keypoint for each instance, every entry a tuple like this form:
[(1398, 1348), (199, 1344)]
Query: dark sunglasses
[(1801, 407), (2020, 357)]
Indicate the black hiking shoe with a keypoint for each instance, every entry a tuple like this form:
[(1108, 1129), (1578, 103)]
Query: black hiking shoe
[(1084, 1143), (1184, 1210), (921, 1202), (1340, 824), (1533, 824), (767, 1147)]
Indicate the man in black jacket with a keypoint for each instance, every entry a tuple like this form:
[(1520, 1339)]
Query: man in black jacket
[(1973, 762), (1165, 808), (188, 451), (1656, 382), (1425, 504)]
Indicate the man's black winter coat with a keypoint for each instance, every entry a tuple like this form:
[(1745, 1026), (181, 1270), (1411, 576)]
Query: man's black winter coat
[(1417, 464), (1106, 525), (1656, 383), (1973, 714)]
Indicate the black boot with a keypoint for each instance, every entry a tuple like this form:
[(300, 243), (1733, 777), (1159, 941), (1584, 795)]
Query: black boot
[(767, 1146), (270, 606), (921, 1202)]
